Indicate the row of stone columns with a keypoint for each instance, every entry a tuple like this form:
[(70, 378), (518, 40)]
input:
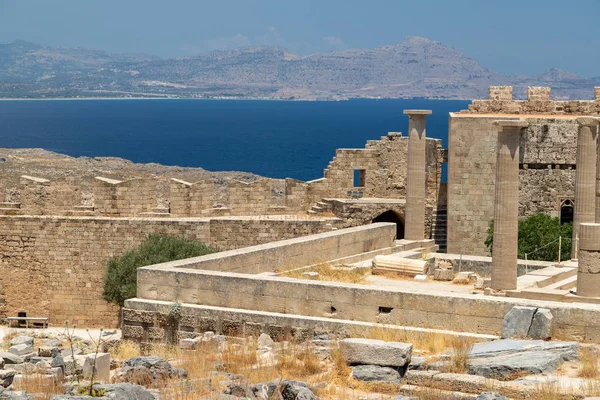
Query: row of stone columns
[(586, 223)]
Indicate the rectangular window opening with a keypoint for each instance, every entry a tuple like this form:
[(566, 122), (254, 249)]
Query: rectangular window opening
[(359, 177)]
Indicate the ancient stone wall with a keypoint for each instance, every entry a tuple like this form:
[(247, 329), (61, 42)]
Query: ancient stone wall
[(191, 199), (500, 101), (546, 175), (53, 266), (132, 197)]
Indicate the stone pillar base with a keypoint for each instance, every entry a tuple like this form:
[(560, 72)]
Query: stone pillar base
[(588, 271)]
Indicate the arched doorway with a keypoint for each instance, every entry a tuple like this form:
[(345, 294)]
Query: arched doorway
[(566, 211), (391, 216)]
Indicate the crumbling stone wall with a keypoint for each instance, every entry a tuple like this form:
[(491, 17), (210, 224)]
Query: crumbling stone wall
[(53, 266)]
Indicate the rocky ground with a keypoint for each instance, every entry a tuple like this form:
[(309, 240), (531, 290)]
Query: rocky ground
[(50, 364), (49, 165)]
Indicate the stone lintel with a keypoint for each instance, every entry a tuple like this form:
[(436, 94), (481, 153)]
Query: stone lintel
[(588, 121), (589, 236), (417, 113), (511, 123)]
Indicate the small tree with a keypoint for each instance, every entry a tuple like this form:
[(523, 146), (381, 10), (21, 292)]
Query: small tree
[(538, 238), (120, 278)]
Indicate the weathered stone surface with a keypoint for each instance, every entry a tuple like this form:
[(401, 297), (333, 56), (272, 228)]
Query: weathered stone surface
[(21, 339), (443, 274), (375, 373), (6, 377), (265, 341), (417, 363), (10, 358), (541, 326), (20, 395), (151, 368), (376, 352), (567, 351), (509, 366), (188, 344), (48, 351), (101, 361), (21, 349), (491, 396), (517, 322), (117, 391)]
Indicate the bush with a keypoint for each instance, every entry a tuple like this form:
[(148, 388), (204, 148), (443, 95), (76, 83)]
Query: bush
[(120, 279), (538, 238)]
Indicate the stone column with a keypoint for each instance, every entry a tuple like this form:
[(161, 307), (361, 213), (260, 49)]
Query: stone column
[(588, 271), (585, 177), (506, 205), (416, 189)]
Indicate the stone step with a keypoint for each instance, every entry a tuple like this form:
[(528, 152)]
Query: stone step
[(568, 283), (76, 213), (8, 204), (311, 212), (553, 274), (161, 210), (323, 204), (539, 294), (316, 209)]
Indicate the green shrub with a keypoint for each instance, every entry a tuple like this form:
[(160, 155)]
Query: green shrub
[(538, 238), (120, 279)]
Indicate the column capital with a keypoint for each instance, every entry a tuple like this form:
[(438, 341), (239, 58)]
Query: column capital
[(510, 124), (588, 121), (417, 113)]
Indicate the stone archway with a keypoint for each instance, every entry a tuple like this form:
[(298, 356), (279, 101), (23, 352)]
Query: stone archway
[(566, 211), (391, 216)]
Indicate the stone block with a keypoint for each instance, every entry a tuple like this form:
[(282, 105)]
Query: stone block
[(597, 93), (538, 93), (500, 93), (48, 351), (376, 352), (375, 373), (102, 366), (21, 339), (442, 274), (188, 344), (517, 322), (21, 349), (541, 326)]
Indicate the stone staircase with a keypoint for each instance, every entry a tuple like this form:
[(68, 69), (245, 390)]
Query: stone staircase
[(321, 207), (439, 228)]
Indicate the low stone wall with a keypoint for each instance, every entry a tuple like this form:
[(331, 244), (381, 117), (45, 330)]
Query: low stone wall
[(53, 266), (233, 302), (483, 265), (282, 255)]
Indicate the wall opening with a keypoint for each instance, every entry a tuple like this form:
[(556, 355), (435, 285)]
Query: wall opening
[(566, 211), (391, 216), (359, 177)]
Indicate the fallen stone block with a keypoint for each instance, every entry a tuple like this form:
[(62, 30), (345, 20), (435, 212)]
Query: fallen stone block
[(375, 373), (508, 367), (465, 278), (6, 377), (541, 326), (376, 352), (21, 339), (517, 322), (482, 283), (188, 344), (568, 351), (10, 358), (21, 349), (265, 341), (443, 274), (47, 351), (491, 396), (101, 361), (417, 363)]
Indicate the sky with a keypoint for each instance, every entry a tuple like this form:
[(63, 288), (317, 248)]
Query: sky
[(524, 36)]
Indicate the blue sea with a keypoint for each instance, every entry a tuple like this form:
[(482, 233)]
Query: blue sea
[(278, 139)]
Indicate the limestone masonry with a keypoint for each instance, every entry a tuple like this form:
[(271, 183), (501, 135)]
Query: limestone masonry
[(506, 159)]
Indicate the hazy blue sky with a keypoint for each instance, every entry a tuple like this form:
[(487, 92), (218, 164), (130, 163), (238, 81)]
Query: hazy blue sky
[(524, 36)]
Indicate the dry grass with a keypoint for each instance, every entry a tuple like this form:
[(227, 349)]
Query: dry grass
[(42, 385), (430, 342), (461, 348), (126, 349), (331, 273), (589, 363)]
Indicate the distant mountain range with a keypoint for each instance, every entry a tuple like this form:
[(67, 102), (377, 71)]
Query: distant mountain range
[(415, 67)]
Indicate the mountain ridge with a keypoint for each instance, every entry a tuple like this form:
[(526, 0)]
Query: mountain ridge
[(416, 67)]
